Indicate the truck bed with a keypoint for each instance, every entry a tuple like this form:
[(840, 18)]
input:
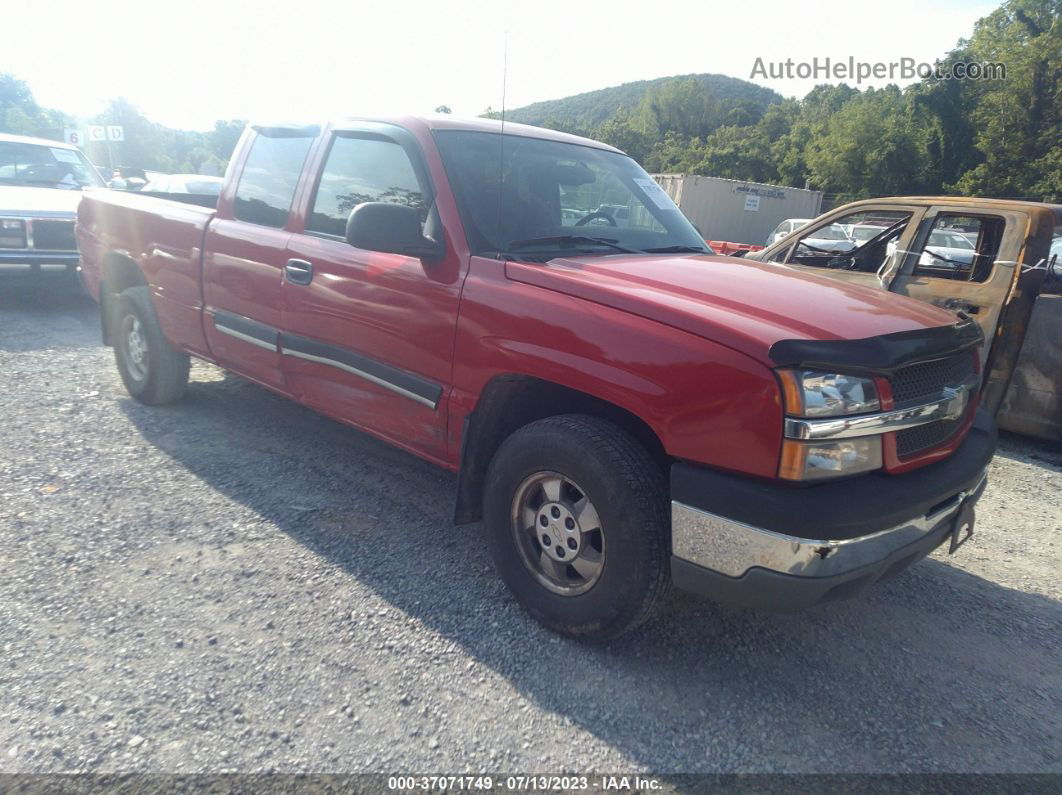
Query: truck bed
[(162, 237)]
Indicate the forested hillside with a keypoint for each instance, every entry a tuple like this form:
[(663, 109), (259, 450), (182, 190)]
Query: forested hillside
[(732, 101), (984, 138)]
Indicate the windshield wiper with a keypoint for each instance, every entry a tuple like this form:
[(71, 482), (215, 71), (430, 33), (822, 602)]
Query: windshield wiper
[(570, 240), (948, 260), (676, 250)]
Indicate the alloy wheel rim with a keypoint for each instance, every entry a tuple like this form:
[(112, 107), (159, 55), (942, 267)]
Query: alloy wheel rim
[(558, 533)]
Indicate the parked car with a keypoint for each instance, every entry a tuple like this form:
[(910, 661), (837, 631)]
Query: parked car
[(862, 232), (40, 187), (947, 249), (198, 184), (620, 214), (784, 228), (624, 411), (833, 238)]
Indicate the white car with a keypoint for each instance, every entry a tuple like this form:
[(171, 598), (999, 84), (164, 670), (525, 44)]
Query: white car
[(784, 228), (948, 250), (40, 188), (198, 184), (832, 239)]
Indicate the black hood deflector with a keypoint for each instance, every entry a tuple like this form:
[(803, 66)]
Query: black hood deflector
[(882, 354)]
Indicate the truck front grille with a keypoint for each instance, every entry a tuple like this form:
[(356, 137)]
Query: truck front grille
[(925, 381), (923, 437), (49, 235)]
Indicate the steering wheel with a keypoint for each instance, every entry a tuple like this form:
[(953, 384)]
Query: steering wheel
[(596, 214)]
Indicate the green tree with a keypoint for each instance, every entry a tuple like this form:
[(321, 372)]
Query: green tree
[(21, 115), (737, 153), (221, 141), (1018, 121), (622, 132), (871, 146)]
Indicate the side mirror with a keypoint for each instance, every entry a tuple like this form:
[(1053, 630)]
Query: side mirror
[(394, 228)]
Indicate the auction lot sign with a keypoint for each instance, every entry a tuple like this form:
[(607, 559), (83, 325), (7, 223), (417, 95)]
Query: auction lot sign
[(95, 133)]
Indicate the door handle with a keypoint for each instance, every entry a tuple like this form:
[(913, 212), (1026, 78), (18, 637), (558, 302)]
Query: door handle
[(298, 271)]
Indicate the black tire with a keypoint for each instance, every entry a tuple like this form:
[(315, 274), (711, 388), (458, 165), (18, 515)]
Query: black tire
[(628, 490), (153, 371)]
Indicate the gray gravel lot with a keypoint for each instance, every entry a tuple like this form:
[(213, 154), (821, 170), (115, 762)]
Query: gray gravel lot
[(237, 583)]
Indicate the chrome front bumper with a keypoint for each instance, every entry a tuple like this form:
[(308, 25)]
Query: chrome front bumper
[(732, 548)]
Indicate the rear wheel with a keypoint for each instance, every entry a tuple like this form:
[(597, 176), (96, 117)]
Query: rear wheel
[(153, 371), (577, 516)]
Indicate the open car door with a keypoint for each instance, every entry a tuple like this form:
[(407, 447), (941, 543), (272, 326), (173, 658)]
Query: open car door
[(985, 260)]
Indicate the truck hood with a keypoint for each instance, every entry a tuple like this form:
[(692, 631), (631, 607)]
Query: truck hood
[(16, 200), (743, 304)]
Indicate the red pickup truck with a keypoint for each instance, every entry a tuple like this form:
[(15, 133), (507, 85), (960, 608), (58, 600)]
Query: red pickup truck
[(625, 410)]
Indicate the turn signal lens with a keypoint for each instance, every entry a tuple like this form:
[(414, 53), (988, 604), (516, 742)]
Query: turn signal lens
[(819, 460)]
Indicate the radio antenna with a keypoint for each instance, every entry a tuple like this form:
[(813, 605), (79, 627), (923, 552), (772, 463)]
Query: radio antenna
[(505, 74), (501, 143)]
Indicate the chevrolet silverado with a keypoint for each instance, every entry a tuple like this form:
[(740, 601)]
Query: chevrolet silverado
[(625, 410)]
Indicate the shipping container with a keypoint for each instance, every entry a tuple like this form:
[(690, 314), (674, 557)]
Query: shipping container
[(740, 212)]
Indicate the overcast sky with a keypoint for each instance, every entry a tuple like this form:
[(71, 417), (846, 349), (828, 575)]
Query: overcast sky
[(186, 63)]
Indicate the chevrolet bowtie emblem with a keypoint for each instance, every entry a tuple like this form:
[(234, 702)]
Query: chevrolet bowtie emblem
[(956, 397)]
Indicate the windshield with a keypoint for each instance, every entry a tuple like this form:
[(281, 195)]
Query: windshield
[(537, 199), (39, 166)]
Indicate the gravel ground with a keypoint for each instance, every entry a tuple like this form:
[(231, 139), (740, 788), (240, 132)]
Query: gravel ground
[(237, 583)]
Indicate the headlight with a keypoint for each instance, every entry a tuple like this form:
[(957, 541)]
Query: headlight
[(817, 460), (817, 394), (12, 233), (810, 393)]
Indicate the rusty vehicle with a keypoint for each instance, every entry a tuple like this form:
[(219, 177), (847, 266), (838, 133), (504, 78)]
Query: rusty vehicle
[(1015, 260)]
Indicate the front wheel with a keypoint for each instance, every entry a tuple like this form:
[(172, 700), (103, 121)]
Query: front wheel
[(577, 516), (153, 371)]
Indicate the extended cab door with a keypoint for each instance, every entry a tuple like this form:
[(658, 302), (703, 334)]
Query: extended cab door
[(969, 258), (368, 336), (245, 252)]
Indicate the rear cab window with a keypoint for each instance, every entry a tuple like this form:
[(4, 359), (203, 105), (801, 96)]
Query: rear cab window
[(270, 175)]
